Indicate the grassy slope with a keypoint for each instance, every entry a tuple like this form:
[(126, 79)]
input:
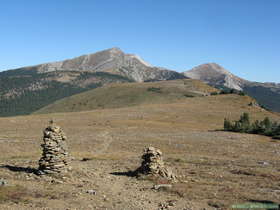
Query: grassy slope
[(130, 94), (219, 168)]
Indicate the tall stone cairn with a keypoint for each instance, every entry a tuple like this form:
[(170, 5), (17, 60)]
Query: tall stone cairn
[(153, 164), (54, 159)]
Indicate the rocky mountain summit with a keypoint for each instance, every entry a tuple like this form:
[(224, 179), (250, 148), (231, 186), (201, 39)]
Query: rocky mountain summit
[(215, 74), (267, 94), (112, 61)]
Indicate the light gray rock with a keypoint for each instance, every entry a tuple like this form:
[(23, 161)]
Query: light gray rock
[(91, 192), (159, 186), (265, 163), (3, 182)]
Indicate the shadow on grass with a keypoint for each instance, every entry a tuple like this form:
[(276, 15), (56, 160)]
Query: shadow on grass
[(20, 169), (217, 130), (126, 173)]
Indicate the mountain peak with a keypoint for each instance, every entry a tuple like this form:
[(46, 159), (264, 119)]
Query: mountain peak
[(113, 61), (213, 73), (137, 57), (211, 67), (117, 50), (114, 50)]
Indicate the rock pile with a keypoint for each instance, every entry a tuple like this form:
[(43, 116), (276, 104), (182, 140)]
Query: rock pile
[(54, 159), (152, 164)]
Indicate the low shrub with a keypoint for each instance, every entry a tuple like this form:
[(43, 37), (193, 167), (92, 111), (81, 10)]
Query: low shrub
[(154, 89), (243, 125), (214, 93)]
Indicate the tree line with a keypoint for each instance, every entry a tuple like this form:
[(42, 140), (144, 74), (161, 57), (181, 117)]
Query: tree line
[(265, 127)]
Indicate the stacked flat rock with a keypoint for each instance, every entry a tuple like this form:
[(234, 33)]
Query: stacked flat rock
[(55, 156), (153, 164)]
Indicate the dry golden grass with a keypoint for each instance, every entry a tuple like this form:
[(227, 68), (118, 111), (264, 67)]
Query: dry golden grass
[(215, 168), (13, 193)]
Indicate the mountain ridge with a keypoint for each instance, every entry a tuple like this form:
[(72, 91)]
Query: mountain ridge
[(67, 77), (267, 94), (215, 74), (27, 89), (112, 60)]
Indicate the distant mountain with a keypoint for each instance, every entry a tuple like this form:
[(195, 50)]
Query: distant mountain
[(267, 94), (214, 74), (113, 61), (25, 90)]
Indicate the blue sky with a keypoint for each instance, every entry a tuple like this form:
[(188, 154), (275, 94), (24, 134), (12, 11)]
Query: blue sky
[(241, 35)]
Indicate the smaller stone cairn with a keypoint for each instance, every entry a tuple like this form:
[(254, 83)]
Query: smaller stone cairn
[(152, 164), (54, 159)]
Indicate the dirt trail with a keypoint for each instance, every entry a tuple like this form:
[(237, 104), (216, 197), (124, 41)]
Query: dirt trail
[(108, 139), (121, 191)]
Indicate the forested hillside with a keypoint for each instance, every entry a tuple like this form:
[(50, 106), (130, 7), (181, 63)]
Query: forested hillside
[(25, 91)]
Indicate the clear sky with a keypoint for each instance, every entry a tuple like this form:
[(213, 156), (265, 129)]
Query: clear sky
[(241, 35)]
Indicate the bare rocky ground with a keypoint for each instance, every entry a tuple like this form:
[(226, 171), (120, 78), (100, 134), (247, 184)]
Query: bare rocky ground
[(216, 169)]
